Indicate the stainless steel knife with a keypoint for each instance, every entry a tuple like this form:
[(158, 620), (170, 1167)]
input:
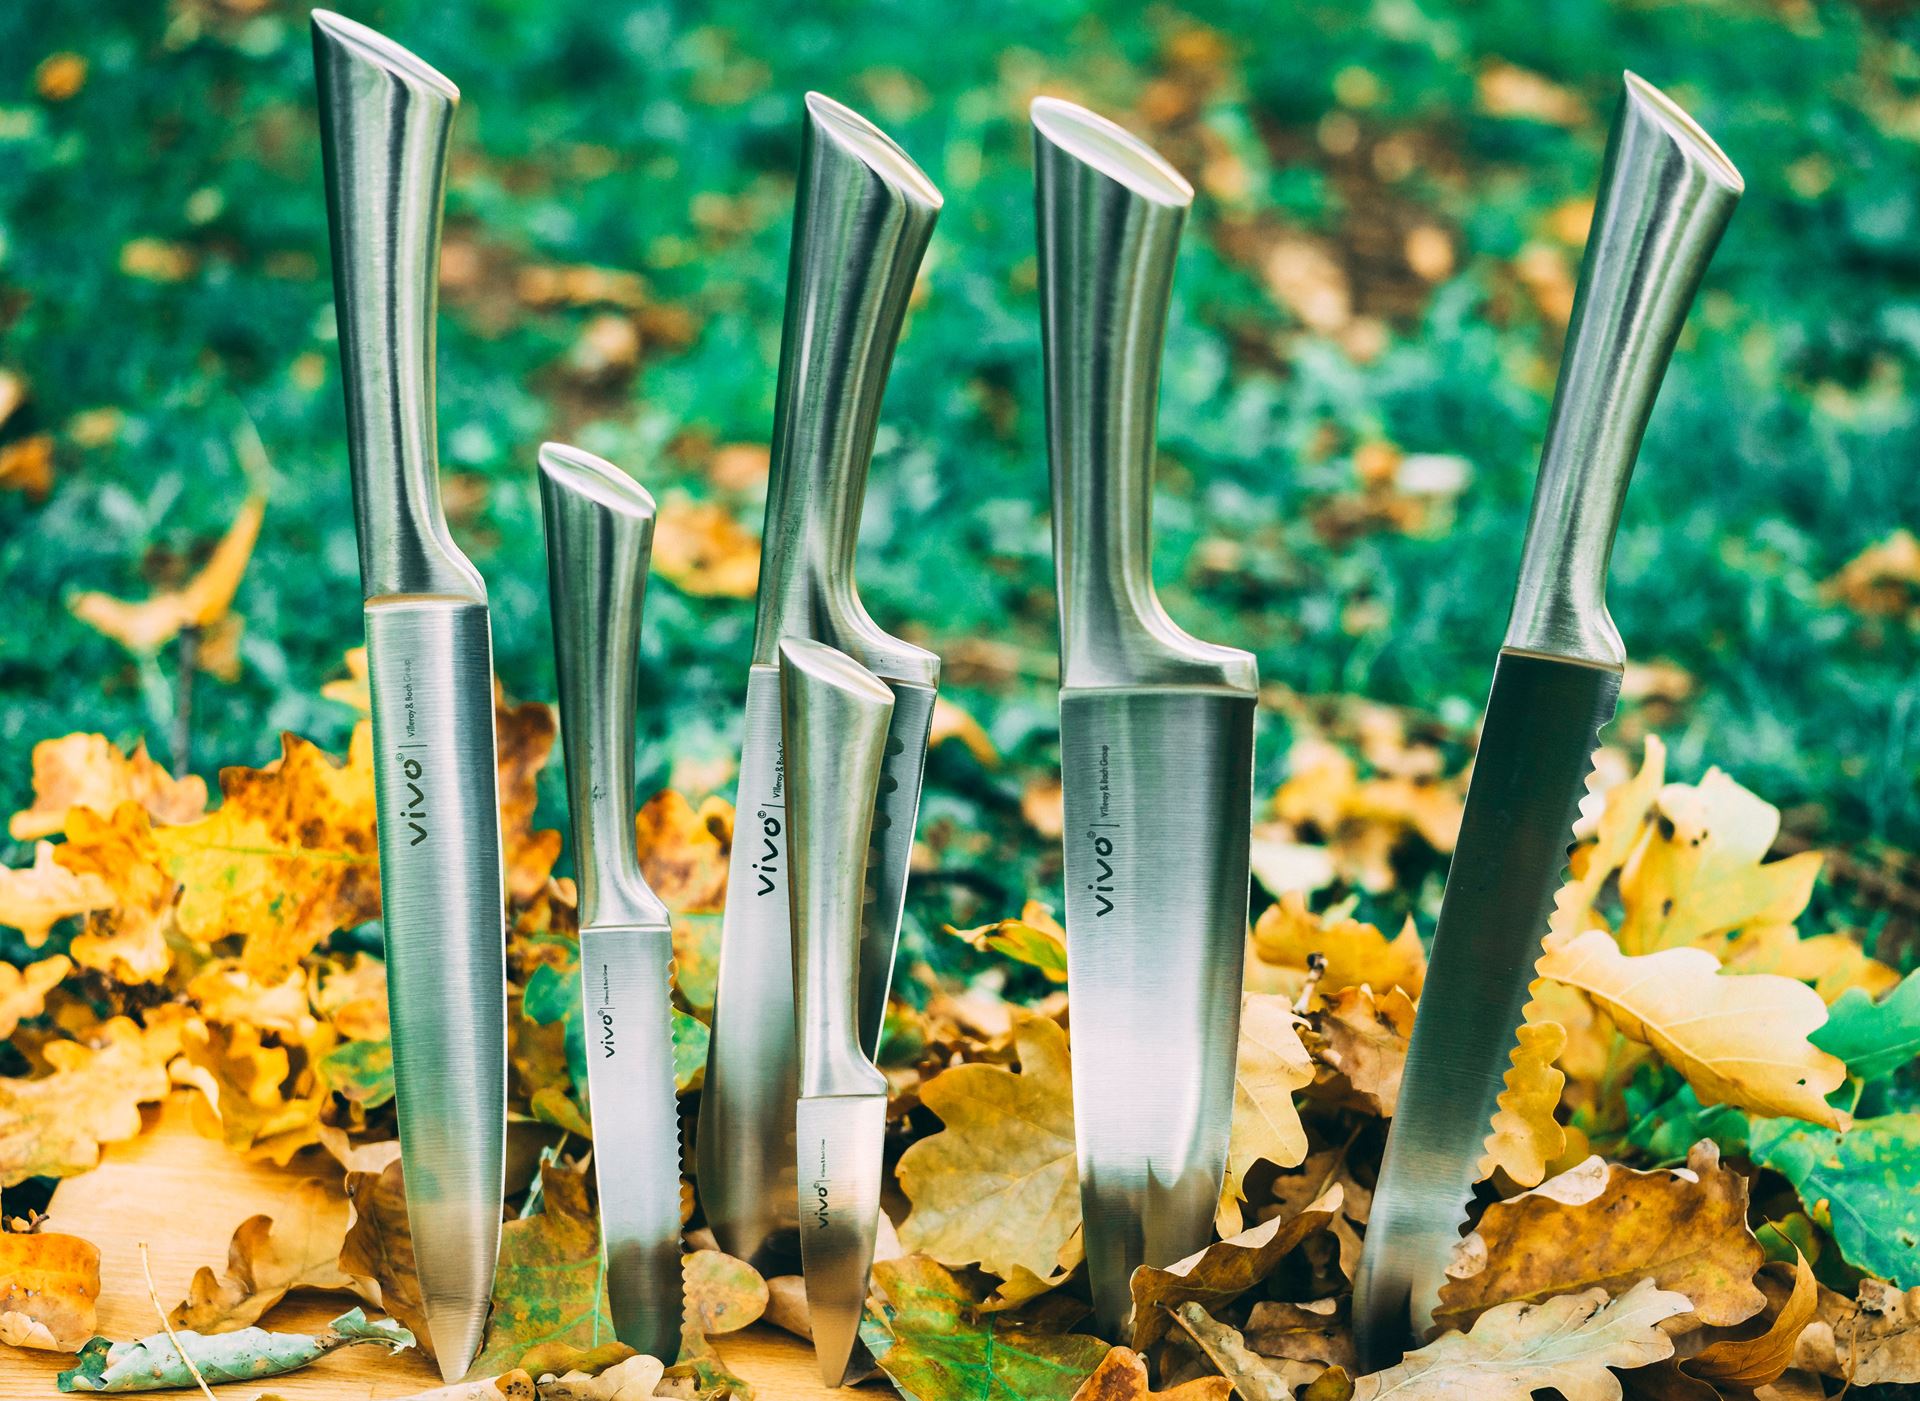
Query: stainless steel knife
[(599, 526), (1666, 193), (384, 119), (1156, 728), (863, 215), (834, 720)]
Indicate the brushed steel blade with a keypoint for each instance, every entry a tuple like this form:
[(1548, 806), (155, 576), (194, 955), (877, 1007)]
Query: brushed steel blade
[(624, 977), (896, 810), (1159, 803), (838, 1149), (430, 674), (744, 1145), (1542, 724)]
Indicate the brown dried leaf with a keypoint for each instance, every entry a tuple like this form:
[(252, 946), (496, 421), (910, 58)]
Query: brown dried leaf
[(1870, 1340), (1754, 1362), (523, 740), (269, 1257), (1364, 1038), (1315, 1331), (1122, 1376), (1253, 1377), (378, 1250), (684, 850), (1270, 1065)]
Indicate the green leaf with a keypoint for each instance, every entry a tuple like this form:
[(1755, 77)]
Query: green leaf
[(553, 995), (1858, 1185), (155, 1364), (549, 1291), (932, 1340), (1665, 1117), (1874, 1038), (690, 1038), (361, 1070)]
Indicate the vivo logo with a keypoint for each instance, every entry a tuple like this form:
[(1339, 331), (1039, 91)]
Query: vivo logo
[(1102, 884), (415, 808), (820, 1214), (768, 865), (606, 1034)]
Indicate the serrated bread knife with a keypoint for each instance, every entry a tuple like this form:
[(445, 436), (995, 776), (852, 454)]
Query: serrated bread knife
[(834, 719), (599, 526), (384, 119), (1666, 193), (862, 218), (1156, 728)]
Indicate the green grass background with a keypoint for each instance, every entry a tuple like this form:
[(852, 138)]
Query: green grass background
[(661, 139)]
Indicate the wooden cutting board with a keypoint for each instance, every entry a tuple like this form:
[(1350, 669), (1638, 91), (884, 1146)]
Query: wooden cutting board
[(183, 1194)]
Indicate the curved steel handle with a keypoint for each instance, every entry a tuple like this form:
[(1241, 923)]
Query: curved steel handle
[(599, 525), (384, 121), (862, 218), (833, 720), (1110, 211), (1666, 193)]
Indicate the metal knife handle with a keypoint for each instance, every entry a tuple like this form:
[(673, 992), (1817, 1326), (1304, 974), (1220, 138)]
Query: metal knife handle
[(833, 720), (599, 525), (1110, 211), (1666, 193), (384, 121), (862, 217)]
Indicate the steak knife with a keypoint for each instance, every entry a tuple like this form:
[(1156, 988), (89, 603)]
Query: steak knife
[(599, 525), (863, 216), (834, 720), (1666, 193), (1156, 728), (384, 120)]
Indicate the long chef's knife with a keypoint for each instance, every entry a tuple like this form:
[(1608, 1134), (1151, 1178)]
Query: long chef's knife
[(599, 525), (863, 215), (1666, 193), (834, 719), (384, 119), (1156, 728)]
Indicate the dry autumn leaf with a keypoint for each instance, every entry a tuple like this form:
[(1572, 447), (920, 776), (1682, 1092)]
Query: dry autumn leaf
[(256, 1098), (701, 549), (88, 771), (1363, 1038), (549, 1299), (999, 1185), (199, 603), (1607, 1225), (523, 740), (1270, 1065), (684, 850), (53, 1126), (298, 1248), (127, 940), (49, 1285), (1740, 1039), (35, 898), (1035, 939), (1253, 1377), (23, 991), (1525, 1136), (1735, 1363), (1122, 1376), (1870, 1340), (377, 1253), (1288, 934)]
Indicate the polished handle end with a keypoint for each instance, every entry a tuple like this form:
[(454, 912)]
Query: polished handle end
[(1666, 194), (570, 472), (340, 44), (1066, 131), (836, 131)]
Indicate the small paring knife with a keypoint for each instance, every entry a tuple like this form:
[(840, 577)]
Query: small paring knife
[(834, 715), (599, 527), (1156, 728), (384, 120), (862, 220), (1666, 193)]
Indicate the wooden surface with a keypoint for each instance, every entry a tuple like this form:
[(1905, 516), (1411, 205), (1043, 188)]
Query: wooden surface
[(183, 1195)]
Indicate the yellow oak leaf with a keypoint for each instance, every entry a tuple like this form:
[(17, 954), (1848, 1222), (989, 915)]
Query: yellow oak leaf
[(523, 737), (1568, 1344), (1364, 1039), (352, 689), (128, 940), (49, 1286), (286, 859), (1625, 812), (53, 1125), (951, 721), (1035, 939), (35, 898), (1288, 934), (201, 602), (1607, 1225), (297, 1248), (1739, 1039), (353, 997), (999, 1185), (1833, 963), (255, 1099), (684, 850), (1270, 1065), (87, 771), (1525, 1135), (700, 549), (23, 991), (224, 991)]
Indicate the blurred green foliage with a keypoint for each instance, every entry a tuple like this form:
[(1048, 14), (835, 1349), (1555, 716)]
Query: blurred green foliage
[(660, 139)]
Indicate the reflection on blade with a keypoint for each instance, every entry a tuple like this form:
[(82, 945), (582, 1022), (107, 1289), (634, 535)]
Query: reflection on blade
[(745, 1138), (838, 1144), (636, 1129), (1543, 721), (896, 808), (1159, 791)]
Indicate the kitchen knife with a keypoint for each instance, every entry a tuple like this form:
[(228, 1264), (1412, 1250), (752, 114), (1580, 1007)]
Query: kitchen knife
[(599, 526), (862, 218), (1666, 193), (384, 119), (834, 717), (1156, 728)]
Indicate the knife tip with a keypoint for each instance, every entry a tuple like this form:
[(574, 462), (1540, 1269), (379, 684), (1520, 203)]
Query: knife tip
[(457, 1329)]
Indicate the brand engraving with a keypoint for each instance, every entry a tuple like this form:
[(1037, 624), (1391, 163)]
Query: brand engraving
[(768, 864), (414, 808), (1102, 886), (821, 1215), (605, 1012)]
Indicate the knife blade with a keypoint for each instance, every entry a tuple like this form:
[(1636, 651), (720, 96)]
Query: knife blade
[(1156, 728), (599, 528), (862, 219), (384, 121), (1666, 193), (834, 721)]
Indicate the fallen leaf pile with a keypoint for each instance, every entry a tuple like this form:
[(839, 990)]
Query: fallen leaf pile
[(1700, 1182)]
